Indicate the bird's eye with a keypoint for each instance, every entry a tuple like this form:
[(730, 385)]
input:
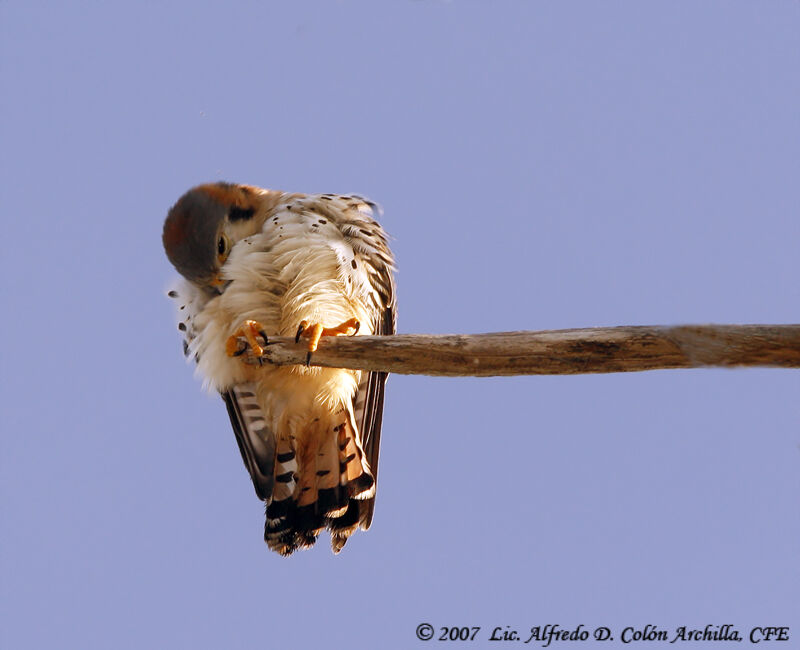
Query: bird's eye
[(223, 248)]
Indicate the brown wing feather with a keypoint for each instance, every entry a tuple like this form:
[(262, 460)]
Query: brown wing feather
[(371, 418), (256, 441)]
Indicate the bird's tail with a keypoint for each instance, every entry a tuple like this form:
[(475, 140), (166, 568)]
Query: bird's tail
[(322, 480)]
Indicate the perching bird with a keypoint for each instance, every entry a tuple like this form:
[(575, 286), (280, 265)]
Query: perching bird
[(260, 263)]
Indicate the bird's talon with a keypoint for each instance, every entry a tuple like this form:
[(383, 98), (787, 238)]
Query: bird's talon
[(250, 330), (235, 347), (314, 331), (300, 329)]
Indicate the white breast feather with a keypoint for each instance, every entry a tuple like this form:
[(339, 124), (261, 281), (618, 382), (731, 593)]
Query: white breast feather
[(289, 272)]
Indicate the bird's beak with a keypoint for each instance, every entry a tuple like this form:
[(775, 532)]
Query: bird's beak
[(217, 283)]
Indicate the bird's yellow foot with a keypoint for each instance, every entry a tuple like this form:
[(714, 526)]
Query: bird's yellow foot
[(251, 331), (315, 331)]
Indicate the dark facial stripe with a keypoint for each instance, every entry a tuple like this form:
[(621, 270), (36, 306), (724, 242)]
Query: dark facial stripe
[(240, 214)]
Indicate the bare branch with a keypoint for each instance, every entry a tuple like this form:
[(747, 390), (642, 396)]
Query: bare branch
[(556, 352)]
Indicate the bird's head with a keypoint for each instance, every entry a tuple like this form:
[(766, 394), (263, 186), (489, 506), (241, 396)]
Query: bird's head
[(203, 226)]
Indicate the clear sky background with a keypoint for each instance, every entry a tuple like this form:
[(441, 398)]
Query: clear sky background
[(541, 165)]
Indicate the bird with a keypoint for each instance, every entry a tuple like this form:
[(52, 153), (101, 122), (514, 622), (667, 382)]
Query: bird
[(258, 263)]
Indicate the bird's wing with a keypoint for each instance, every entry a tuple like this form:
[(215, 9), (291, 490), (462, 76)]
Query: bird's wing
[(368, 411), (370, 242), (255, 438), (256, 441)]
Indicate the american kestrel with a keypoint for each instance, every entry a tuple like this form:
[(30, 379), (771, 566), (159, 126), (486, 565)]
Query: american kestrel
[(258, 263)]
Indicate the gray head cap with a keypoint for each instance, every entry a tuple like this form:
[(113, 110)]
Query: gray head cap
[(190, 235)]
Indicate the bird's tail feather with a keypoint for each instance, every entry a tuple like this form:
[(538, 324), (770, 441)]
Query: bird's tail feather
[(322, 480)]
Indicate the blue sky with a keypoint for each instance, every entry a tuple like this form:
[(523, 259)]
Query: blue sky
[(541, 166)]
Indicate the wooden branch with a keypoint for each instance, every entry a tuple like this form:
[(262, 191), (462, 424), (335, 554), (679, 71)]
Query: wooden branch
[(556, 352)]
